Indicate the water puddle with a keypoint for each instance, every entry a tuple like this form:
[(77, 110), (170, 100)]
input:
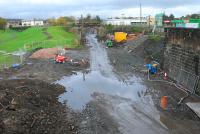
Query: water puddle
[(101, 79), (81, 86)]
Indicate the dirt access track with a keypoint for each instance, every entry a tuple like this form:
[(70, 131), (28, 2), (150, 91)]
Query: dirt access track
[(110, 96)]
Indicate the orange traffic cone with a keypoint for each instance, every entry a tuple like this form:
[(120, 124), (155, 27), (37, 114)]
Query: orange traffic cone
[(165, 76), (163, 102)]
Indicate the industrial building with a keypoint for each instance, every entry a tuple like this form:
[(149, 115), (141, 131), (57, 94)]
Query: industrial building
[(127, 21)]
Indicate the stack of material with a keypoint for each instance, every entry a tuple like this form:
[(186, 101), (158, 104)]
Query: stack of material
[(132, 36)]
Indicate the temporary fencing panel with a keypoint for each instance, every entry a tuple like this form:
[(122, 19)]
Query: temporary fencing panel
[(184, 78)]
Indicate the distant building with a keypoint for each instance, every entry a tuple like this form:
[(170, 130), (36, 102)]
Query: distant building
[(14, 22), (127, 21), (32, 23), (159, 19), (151, 21)]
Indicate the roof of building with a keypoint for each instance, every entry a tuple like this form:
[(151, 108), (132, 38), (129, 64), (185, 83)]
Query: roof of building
[(177, 21), (194, 20), (126, 18)]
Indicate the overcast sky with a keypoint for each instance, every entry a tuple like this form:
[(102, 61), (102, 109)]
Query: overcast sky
[(28, 9)]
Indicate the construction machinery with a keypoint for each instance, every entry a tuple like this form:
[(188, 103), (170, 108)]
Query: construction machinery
[(118, 38), (109, 43), (153, 68), (60, 59)]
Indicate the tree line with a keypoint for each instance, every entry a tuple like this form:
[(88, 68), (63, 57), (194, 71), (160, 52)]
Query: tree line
[(3, 23), (189, 16), (90, 19), (61, 21)]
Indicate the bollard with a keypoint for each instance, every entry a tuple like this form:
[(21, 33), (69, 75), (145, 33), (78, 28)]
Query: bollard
[(165, 77), (163, 102)]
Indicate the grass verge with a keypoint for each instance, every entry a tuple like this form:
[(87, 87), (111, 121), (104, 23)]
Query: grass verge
[(11, 40)]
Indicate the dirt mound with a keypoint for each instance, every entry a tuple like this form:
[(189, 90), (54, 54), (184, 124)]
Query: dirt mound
[(46, 53), (150, 50), (31, 106), (133, 36)]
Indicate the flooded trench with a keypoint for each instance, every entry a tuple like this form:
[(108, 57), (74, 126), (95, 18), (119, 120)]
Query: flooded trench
[(129, 102)]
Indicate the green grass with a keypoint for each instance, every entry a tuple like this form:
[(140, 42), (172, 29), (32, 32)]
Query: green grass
[(65, 38), (11, 40), (34, 37), (154, 37), (137, 29), (6, 35), (59, 33)]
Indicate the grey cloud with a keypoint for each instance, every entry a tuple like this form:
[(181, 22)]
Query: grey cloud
[(98, 6)]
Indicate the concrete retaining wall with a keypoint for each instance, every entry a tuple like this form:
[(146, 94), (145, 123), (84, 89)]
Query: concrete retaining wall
[(182, 55)]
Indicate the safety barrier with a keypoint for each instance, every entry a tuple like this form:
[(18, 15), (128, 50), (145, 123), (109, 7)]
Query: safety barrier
[(7, 60), (49, 43), (184, 78)]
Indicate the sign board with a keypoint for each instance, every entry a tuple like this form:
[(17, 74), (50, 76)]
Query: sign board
[(167, 21), (192, 25), (180, 25)]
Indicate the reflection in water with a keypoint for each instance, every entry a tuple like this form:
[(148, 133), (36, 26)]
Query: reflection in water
[(100, 79), (139, 111), (81, 88)]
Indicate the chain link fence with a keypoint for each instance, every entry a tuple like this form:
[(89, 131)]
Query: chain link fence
[(184, 78)]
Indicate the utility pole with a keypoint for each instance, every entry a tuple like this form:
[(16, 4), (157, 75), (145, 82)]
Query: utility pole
[(81, 31), (122, 18), (140, 14), (149, 21)]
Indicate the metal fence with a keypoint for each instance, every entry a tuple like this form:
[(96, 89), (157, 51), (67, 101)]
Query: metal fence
[(50, 43), (7, 60), (182, 77)]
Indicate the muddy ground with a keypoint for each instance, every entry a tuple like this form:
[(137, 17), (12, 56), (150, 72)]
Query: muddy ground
[(30, 102), (114, 114), (46, 69), (110, 114), (130, 60), (126, 59), (31, 106)]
